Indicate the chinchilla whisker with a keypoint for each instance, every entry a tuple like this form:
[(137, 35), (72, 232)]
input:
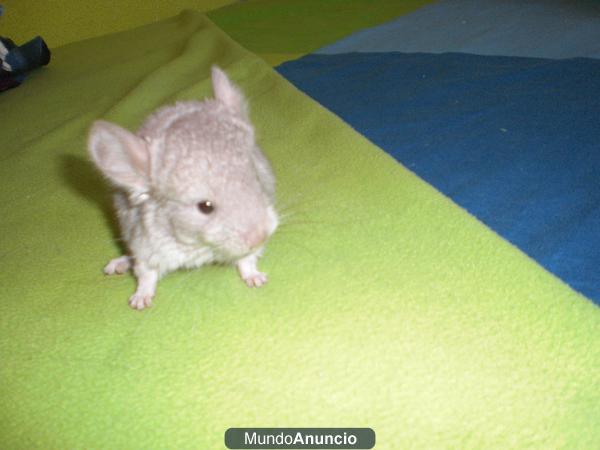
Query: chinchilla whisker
[(296, 222), (284, 218), (312, 208), (301, 246), (327, 223), (298, 194), (296, 232), (297, 203), (290, 214)]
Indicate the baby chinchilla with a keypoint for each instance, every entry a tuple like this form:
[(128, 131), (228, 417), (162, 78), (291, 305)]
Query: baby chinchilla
[(192, 187)]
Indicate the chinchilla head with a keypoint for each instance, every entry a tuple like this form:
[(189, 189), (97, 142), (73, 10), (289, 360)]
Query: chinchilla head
[(197, 168)]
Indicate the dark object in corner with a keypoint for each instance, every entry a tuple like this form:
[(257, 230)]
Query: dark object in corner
[(16, 61)]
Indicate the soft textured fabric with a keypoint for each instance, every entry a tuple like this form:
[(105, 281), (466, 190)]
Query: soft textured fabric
[(284, 30), (387, 307), (277, 30), (530, 28), (62, 22), (513, 140)]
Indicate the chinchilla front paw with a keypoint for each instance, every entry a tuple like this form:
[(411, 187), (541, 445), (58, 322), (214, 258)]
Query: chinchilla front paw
[(140, 301)]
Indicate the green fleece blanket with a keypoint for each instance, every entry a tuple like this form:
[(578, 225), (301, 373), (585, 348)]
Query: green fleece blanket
[(387, 307), (284, 30)]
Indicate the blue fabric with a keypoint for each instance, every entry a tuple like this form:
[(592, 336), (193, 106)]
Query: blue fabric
[(516, 141), (530, 28)]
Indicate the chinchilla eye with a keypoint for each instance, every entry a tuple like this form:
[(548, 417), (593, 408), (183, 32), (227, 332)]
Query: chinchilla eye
[(206, 206)]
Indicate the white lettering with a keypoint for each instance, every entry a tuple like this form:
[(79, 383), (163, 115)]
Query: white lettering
[(298, 440), (254, 438), (250, 440)]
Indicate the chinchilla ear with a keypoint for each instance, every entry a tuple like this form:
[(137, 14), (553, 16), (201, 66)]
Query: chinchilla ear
[(121, 155), (228, 93)]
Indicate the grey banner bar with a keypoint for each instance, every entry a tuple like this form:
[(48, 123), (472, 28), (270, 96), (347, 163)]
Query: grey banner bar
[(299, 438)]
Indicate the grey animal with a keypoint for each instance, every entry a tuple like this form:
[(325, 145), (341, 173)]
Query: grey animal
[(192, 188)]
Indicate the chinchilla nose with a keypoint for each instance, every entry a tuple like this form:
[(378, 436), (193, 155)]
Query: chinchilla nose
[(255, 237)]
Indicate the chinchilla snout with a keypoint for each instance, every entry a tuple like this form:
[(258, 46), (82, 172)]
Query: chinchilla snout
[(255, 238)]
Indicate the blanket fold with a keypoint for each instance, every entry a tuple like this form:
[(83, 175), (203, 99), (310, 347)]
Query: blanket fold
[(388, 306)]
